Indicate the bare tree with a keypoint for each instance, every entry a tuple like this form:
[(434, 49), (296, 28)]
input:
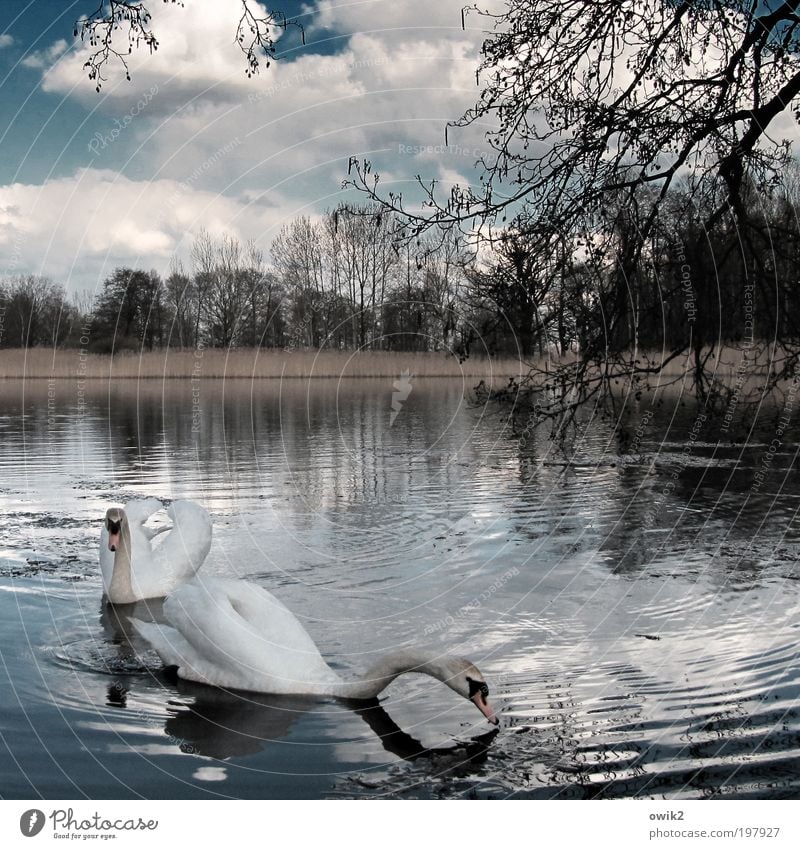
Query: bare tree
[(226, 292), (596, 96), (36, 312), (204, 260), (599, 110), (181, 295), (364, 260), (297, 254), (264, 319)]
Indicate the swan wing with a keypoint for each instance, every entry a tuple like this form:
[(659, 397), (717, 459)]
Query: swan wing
[(152, 533), (162, 560), (139, 510), (181, 551), (241, 636), (175, 650)]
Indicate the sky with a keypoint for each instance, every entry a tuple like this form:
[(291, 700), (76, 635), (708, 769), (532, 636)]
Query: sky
[(127, 177)]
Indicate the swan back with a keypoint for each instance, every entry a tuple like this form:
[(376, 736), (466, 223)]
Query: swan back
[(237, 635)]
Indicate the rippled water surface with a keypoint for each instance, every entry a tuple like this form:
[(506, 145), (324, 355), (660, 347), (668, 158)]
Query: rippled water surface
[(633, 604)]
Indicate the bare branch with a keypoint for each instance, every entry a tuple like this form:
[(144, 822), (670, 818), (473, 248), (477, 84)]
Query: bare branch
[(130, 23)]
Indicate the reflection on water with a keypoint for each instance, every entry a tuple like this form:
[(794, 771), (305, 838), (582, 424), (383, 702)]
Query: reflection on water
[(632, 602)]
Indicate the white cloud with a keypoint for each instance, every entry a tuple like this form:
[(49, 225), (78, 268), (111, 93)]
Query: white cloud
[(317, 111), (6, 40), (250, 153), (45, 58), (380, 91), (77, 229), (428, 20), (197, 56)]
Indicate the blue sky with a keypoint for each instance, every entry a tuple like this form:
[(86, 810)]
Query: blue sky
[(90, 181)]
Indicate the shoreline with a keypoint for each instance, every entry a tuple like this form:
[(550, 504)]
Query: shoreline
[(733, 365), (248, 364)]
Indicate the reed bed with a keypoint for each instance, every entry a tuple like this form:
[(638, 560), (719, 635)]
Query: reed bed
[(728, 365), (249, 364)]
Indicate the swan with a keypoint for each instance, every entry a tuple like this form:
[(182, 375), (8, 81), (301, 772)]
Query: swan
[(236, 635), (133, 567)]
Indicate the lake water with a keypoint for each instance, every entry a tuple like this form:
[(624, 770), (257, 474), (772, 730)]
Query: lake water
[(634, 607)]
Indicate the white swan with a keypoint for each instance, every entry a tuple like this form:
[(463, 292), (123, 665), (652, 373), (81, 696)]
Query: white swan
[(133, 567), (236, 635)]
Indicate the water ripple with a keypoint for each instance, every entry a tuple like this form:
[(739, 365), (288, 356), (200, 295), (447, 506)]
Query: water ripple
[(635, 616)]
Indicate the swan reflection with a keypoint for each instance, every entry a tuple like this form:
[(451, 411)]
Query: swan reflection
[(222, 724), (398, 742)]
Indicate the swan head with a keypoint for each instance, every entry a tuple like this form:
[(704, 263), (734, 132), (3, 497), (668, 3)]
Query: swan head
[(114, 519), (468, 681)]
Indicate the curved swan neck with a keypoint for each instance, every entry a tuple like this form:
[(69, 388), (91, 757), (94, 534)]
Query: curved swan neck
[(121, 588), (381, 674)]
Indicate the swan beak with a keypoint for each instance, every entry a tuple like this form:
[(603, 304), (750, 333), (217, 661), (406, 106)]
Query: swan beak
[(113, 542), (485, 708)]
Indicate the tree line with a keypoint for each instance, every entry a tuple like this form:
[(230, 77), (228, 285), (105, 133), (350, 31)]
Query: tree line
[(353, 279), (635, 195), (653, 135), (337, 281)]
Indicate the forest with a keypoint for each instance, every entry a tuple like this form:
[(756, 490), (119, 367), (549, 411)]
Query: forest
[(637, 207), (353, 279)]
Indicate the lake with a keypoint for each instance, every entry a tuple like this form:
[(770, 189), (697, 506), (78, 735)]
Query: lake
[(632, 602)]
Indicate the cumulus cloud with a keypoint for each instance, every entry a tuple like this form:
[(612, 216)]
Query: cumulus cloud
[(300, 116), (45, 58), (286, 135), (311, 115), (197, 56), (427, 20), (6, 40), (77, 229)]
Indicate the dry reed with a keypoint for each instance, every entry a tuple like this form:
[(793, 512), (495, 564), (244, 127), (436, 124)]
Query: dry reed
[(73, 364), (258, 364)]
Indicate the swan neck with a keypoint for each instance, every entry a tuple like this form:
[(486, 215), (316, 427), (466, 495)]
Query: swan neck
[(121, 588), (381, 674)]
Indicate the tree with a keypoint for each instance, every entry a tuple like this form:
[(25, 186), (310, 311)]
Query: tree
[(442, 257), (515, 289), (36, 312), (363, 262), (599, 110), (181, 296), (591, 97), (130, 312), (227, 294), (232, 297), (337, 273), (297, 253)]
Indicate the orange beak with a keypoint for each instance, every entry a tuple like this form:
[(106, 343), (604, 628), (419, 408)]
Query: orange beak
[(113, 542), (485, 708)]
